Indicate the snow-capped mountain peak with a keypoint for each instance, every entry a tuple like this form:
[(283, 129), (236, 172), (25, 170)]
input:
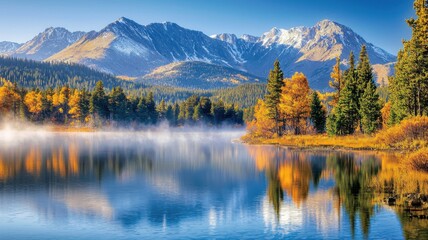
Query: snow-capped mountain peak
[(226, 37), (8, 47), (48, 42), (125, 47), (249, 38)]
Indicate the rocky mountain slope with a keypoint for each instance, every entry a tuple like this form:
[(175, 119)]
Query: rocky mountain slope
[(126, 48)]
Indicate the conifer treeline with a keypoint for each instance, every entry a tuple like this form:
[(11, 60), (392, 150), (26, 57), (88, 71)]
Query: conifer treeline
[(65, 105), (409, 87), (33, 74)]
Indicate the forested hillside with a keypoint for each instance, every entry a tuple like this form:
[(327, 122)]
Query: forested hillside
[(33, 74)]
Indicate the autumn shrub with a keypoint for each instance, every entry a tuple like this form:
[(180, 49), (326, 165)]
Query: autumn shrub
[(410, 133), (418, 160)]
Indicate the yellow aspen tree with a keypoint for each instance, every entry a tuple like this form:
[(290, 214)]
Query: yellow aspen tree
[(33, 101), (263, 126), (9, 98), (74, 105), (295, 103)]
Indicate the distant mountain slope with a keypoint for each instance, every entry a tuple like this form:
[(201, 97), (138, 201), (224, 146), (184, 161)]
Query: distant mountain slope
[(198, 75), (126, 48), (47, 43), (8, 47), (33, 74), (311, 50), (383, 71)]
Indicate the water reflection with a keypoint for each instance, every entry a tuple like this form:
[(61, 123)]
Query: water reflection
[(358, 184), (179, 185)]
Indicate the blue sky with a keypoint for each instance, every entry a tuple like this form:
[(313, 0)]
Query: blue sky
[(380, 22)]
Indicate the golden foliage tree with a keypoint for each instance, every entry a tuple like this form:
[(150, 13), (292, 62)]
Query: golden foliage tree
[(337, 82), (262, 126), (33, 101), (9, 98), (295, 103), (73, 104)]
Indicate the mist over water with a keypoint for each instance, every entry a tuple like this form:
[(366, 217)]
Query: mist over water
[(184, 183)]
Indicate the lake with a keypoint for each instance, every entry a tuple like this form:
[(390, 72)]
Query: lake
[(179, 185)]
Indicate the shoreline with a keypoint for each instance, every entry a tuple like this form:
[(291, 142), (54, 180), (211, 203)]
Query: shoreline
[(326, 143)]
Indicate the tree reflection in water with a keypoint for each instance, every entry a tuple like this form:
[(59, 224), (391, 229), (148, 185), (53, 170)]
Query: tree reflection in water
[(362, 182)]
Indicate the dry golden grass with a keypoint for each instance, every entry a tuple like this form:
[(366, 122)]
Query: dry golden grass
[(325, 141), (411, 134), (418, 160)]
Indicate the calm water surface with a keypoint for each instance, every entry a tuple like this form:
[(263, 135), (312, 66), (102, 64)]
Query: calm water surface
[(195, 185)]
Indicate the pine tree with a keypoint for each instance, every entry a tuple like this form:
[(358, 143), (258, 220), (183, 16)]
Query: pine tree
[(364, 71), (317, 113), (151, 108), (161, 110), (169, 115), (118, 104), (142, 112), (409, 88), (197, 114), (346, 114), (370, 109), (176, 110), (218, 111), (206, 105), (272, 98), (99, 102), (84, 104), (344, 117)]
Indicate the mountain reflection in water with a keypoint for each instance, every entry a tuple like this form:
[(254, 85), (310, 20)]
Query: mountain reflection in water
[(199, 185)]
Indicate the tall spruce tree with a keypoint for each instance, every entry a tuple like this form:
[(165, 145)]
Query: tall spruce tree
[(364, 77), (345, 115), (99, 102), (272, 98), (364, 71), (317, 113), (151, 109), (370, 109)]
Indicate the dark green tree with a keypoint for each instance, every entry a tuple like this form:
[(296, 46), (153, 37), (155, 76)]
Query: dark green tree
[(364, 71), (142, 111), (118, 105), (151, 109), (344, 117), (197, 113), (161, 110), (409, 87), (274, 84), (99, 102), (84, 104), (218, 111), (370, 109), (317, 113)]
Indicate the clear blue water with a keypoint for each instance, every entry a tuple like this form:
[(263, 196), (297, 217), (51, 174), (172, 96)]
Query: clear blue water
[(186, 185)]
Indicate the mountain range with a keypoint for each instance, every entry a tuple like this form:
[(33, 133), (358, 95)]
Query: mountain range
[(168, 54)]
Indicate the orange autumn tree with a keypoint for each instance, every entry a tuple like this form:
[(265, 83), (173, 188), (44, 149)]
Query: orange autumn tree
[(262, 126), (295, 103), (9, 98), (34, 103), (73, 103)]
